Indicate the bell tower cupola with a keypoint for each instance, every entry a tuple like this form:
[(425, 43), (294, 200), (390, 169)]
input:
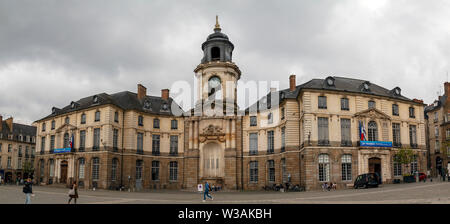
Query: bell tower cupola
[(217, 46)]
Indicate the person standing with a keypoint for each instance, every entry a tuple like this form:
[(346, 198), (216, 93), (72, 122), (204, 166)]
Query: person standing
[(206, 193), (28, 190), (73, 192)]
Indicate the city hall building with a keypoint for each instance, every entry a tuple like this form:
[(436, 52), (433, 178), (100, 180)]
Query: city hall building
[(304, 135)]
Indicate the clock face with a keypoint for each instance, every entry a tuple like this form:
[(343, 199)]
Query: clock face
[(214, 82)]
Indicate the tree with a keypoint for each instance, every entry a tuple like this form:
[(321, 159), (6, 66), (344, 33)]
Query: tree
[(404, 156), (27, 168)]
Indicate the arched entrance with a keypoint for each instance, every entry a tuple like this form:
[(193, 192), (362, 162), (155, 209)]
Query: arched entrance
[(8, 177), (63, 176), (375, 167)]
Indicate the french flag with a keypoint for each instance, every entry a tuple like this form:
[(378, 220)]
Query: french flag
[(362, 131), (71, 142)]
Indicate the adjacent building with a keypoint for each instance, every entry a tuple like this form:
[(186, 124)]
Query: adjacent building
[(438, 133), (304, 135), (17, 147)]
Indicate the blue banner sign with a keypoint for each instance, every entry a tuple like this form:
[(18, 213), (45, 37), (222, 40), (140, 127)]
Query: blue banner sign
[(375, 144), (61, 150)]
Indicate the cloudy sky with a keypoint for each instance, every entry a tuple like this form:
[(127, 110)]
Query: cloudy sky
[(53, 52)]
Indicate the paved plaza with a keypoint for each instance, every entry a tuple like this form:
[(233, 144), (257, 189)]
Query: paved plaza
[(436, 192)]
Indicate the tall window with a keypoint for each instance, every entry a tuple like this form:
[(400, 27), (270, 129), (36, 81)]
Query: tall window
[(253, 143), (324, 167), (66, 140), (116, 116), (139, 169), (271, 171), (270, 118), (397, 167), (83, 119), (345, 132), (436, 131), (372, 131), (174, 124), (41, 167), (371, 104), (437, 147), (140, 143), (52, 143), (81, 168), (8, 164), (346, 161), (414, 164), (19, 163), (283, 170), (173, 144), (282, 113), (395, 109), (97, 116), (52, 168), (322, 104), (412, 112), (156, 123), (82, 140), (42, 149), (43, 126), (67, 121), (322, 123), (254, 171), (96, 138), (270, 142), (114, 165), (283, 138), (253, 121), (155, 170), (115, 139), (412, 136), (0, 147), (53, 125), (344, 104), (173, 171), (95, 168), (141, 121), (155, 144), (396, 134), (42, 145)]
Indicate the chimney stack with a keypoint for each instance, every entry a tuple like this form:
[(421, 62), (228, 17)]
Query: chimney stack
[(447, 88), (9, 122), (142, 91), (165, 94), (292, 82), (418, 101)]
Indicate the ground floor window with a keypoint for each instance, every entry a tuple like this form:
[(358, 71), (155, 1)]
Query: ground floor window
[(324, 167), (346, 161), (271, 167), (114, 169), (95, 168), (414, 164), (173, 171), (254, 171), (81, 168), (397, 167), (52, 168), (283, 170), (139, 169), (155, 170)]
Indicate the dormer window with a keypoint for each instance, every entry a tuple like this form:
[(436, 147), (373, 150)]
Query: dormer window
[(165, 106), (366, 86), (72, 105), (330, 81), (95, 99), (53, 110), (397, 91), (147, 105)]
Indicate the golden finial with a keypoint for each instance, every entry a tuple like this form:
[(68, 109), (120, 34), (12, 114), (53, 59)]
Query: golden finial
[(217, 27)]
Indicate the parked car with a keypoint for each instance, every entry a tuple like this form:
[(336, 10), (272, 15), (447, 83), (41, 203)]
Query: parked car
[(422, 176), (366, 180)]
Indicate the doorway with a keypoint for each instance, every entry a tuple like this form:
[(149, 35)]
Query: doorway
[(375, 167), (63, 177)]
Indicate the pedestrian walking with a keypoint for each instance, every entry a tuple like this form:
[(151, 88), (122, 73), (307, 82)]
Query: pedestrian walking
[(206, 192), (28, 190), (73, 192)]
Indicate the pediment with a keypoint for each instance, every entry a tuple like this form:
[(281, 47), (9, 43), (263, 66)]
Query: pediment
[(66, 127), (372, 113)]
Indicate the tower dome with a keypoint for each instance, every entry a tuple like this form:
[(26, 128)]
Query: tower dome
[(217, 46)]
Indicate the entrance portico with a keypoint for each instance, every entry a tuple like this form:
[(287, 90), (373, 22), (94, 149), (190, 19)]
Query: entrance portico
[(376, 160)]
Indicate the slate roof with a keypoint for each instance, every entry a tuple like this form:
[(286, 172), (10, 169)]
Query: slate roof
[(125, 100), (341, 84), (440, 102), (18, 129)]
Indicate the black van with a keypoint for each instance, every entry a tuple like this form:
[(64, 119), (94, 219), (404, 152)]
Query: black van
[(366, 180)]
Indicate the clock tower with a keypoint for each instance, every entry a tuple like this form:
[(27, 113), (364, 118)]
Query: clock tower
[(217, 75)]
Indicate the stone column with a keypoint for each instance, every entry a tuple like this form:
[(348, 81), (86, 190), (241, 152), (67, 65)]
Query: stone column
[(195, 134), (227, 133), (191, 136)]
